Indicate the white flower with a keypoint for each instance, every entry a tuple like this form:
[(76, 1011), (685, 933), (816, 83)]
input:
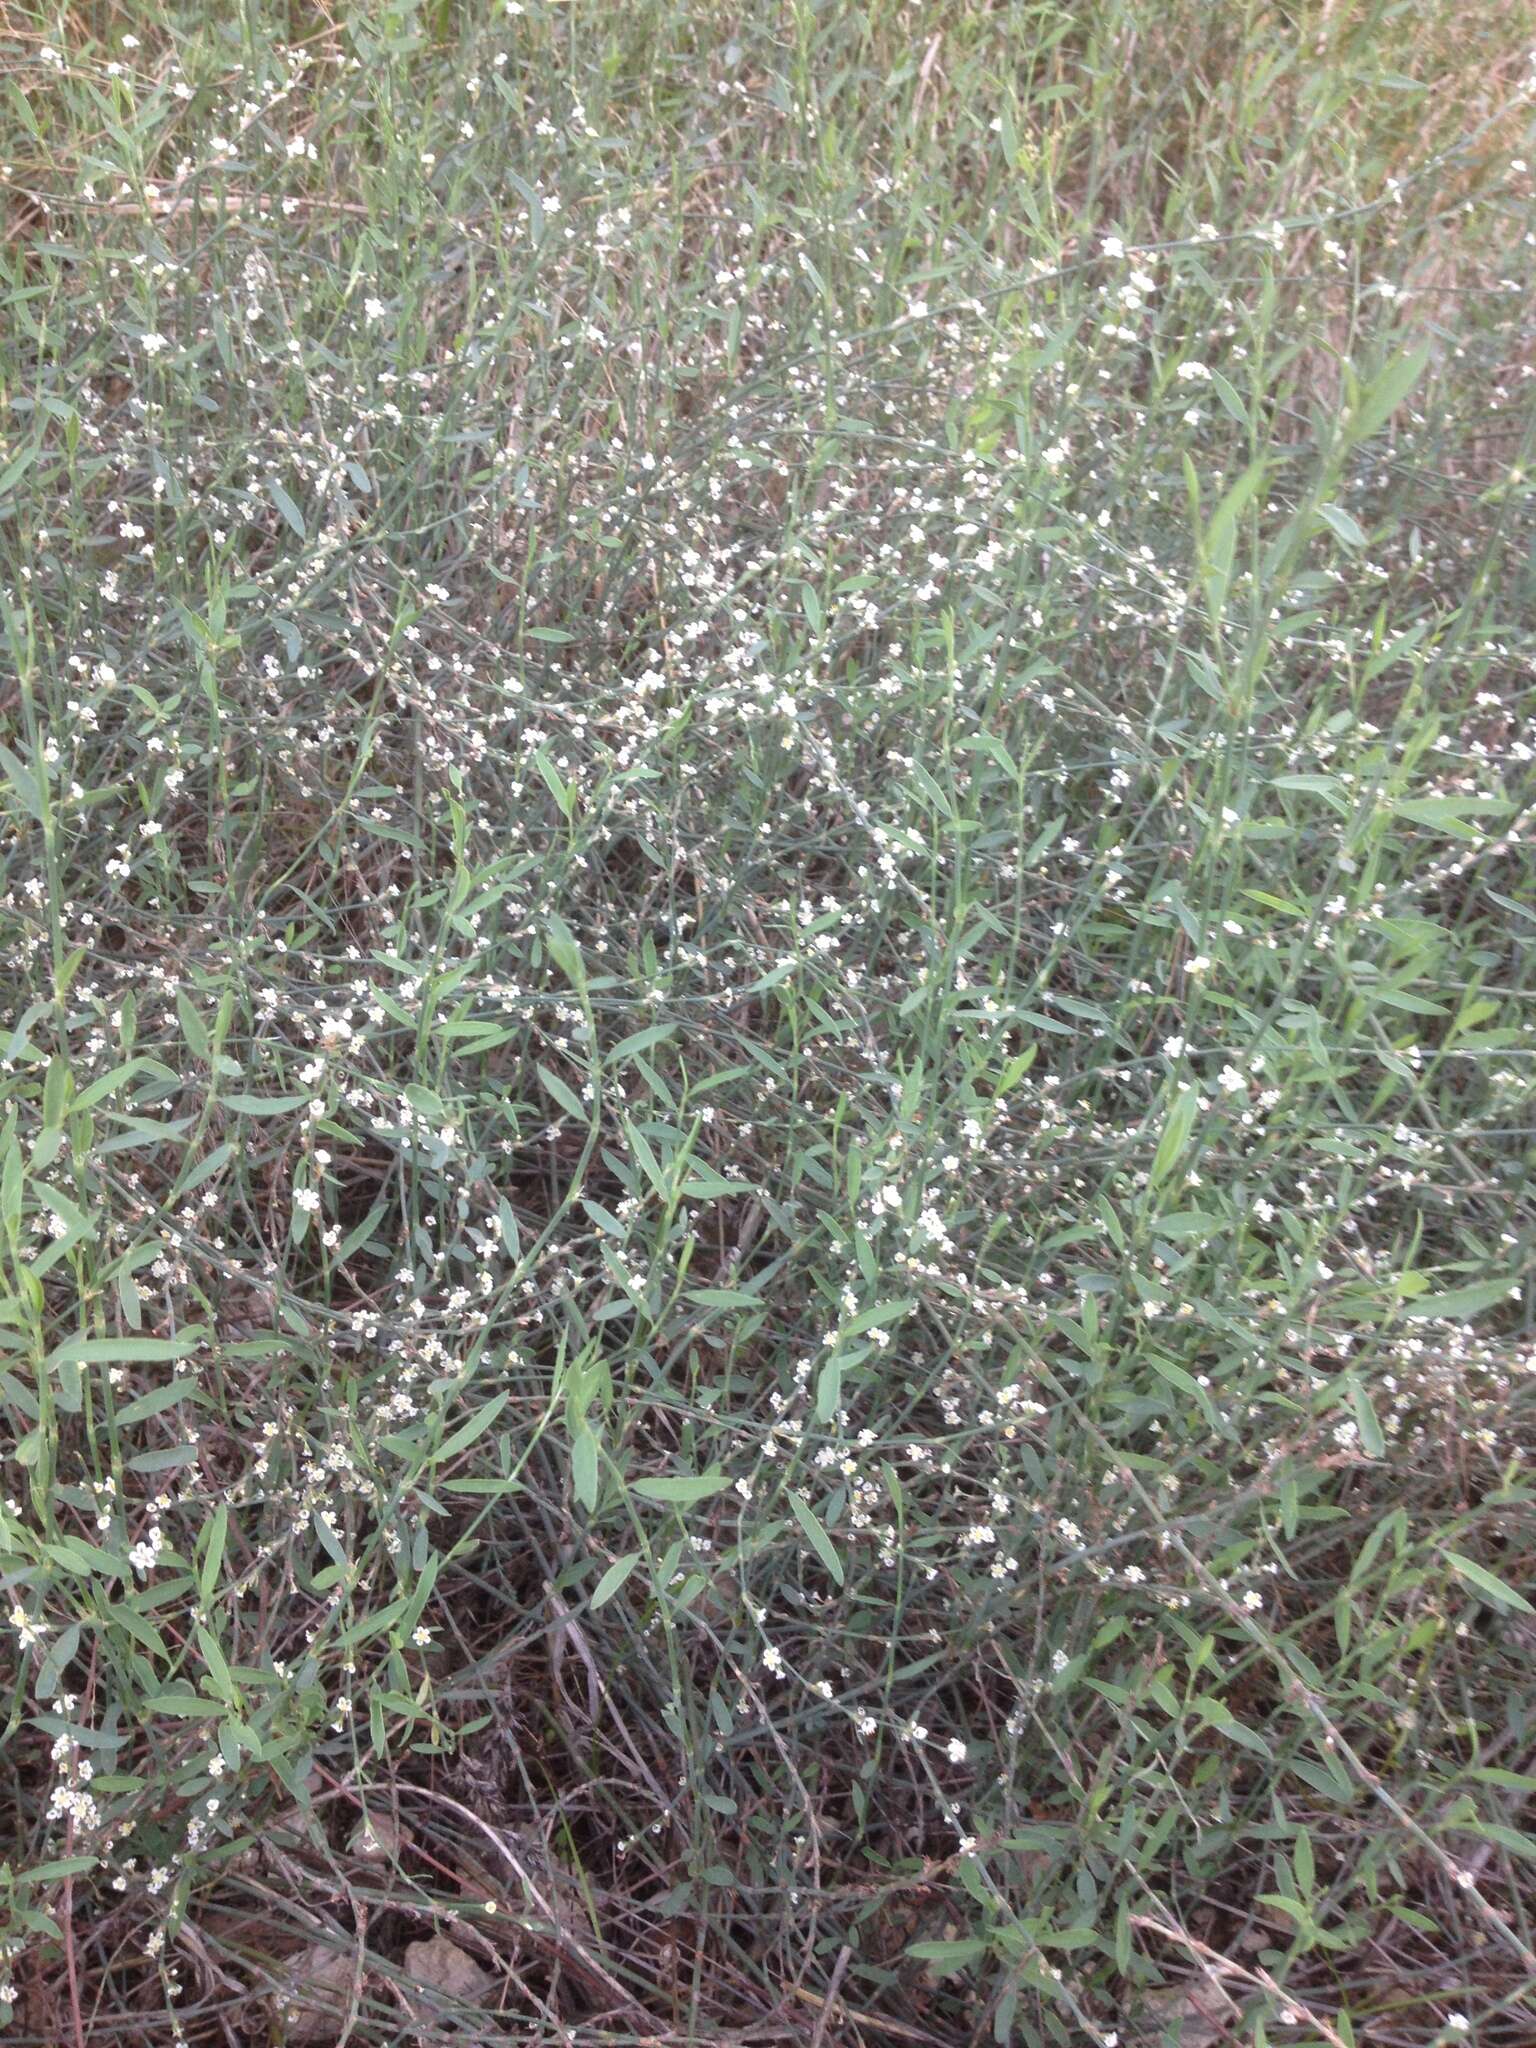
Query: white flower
[(26, 1628), (955, 1750), (1173, 1046)]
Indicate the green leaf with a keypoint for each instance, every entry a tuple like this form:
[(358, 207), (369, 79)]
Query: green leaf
[(22, 461), (945, 1957), (126, 1350), (1494, 1589), (467, 1432), (157, 1400), (614, 1578), (1176, 1135), (584, 1466), (642, 1041), (194, 1030), (1344, 524), (817, 1537), (1218, 544), (1449, 814), (50, 1672), (711, 1187), (25, 784), (1372, 1441), (1385, 393), (291, 513), (1176, 1376), (829, 1389), (76, 1555), (1043, 841), (568, 1100), (1400, 999), (1306, 1863), (1460, 1302), (681, 1492), (882, 1312), (213, 1553), (1068, 1937), (1229, 398), (561, 791), (564, 951)]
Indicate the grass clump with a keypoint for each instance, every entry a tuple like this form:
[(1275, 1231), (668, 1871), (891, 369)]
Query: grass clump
[(764, 1033)]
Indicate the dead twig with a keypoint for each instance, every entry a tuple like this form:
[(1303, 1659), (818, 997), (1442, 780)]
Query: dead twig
[(556, 1935), (1217, 1966), (839, 1971), (874, 2023)]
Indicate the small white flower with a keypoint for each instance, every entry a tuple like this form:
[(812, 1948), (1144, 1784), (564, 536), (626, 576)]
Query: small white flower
[(26, 1628)]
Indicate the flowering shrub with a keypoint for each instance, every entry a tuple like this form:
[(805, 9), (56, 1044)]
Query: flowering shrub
[(764, 1107)]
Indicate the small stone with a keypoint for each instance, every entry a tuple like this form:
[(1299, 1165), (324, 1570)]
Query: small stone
[(314, 2004), (442, 1965), (378, 1839)]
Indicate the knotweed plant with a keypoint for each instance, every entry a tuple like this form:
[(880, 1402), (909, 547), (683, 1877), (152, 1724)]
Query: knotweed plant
[(765, 1064)]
